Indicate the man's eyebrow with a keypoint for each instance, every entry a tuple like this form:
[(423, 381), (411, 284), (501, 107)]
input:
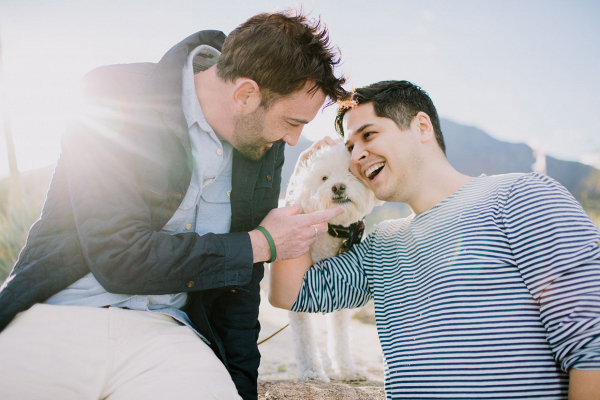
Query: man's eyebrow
[(362, 128), (359, 131)]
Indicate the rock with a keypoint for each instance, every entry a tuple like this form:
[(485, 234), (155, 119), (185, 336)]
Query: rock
[(299, 390)]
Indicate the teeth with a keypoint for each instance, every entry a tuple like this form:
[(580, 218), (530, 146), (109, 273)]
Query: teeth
[(344, 199), (373, 169)]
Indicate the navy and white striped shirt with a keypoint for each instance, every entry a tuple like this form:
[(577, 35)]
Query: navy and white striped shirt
[(493, 293)]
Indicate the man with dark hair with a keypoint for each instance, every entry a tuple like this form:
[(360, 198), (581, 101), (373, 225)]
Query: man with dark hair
[(490, 289), (141, 278), (399, 101)]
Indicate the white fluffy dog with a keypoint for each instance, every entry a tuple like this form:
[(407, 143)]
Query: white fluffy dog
[(322, 181)]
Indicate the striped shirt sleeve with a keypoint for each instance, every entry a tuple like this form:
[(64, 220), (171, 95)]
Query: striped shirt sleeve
[(336, 283), (556, 247)]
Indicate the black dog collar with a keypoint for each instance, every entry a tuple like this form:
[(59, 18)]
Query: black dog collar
[(353, 234)]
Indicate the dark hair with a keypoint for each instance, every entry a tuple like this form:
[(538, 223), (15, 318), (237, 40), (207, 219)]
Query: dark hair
[(399, 101), (281, 51)]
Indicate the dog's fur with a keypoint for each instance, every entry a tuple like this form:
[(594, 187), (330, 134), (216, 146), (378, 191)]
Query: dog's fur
[(316, 186)]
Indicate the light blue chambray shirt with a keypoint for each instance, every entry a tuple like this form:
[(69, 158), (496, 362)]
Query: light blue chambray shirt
[(205, 208)]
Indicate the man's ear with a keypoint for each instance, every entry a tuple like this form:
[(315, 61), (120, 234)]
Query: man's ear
[(424, 126), (246, 96)]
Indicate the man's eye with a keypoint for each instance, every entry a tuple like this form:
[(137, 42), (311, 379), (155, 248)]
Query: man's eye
[(367, 134), (325, 178), (350, 148), (294, 125)]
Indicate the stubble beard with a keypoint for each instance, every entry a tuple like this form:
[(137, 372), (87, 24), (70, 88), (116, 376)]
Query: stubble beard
[(248, 135), (404, 185)]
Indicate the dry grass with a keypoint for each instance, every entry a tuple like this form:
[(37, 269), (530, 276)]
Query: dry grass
[(20, 206)]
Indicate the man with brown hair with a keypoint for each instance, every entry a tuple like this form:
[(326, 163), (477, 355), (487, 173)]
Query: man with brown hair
[(141, 278)]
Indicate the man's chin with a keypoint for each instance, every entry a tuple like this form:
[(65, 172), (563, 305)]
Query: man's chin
[(254, 153), (382, 194)]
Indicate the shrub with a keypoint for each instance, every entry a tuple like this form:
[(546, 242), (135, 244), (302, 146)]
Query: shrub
[(21, 203)]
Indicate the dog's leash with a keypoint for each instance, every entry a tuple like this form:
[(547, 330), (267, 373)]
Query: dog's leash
[(264, 340)]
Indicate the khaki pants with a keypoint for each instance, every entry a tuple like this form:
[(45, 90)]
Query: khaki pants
[(70, 352)]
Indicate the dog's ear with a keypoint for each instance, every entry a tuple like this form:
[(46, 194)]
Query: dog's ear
[(303, 163), (300, 165)]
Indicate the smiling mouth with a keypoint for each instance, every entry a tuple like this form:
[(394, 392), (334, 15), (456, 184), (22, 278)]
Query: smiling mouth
[(340, 199), (374, 170)]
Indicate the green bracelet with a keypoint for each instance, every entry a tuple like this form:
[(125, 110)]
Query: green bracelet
[(271, 242)]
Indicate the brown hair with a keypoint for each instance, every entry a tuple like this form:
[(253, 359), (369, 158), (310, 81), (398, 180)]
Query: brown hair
[(281, 51)]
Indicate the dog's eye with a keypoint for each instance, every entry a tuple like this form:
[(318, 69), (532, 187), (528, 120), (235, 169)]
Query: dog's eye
[(325, 178)]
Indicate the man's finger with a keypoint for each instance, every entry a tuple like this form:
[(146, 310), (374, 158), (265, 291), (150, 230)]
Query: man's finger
[(330, 141), (323, 216), (290, 210), (326, 141), (322, 228), (318, 229)]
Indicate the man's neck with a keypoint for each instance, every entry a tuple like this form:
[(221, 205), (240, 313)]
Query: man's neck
[(212, 94), (437, 182)]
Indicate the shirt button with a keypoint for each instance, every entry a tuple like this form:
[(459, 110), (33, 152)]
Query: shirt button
[(229, 193), (190, 284), (219, 152), (269, 177), (188, 226), (178, 195), (233, 291)]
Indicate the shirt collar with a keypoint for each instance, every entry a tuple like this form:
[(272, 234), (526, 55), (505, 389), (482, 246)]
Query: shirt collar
[(199, 59)]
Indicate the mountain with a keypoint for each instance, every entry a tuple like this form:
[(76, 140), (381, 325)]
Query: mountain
[(473, 152)]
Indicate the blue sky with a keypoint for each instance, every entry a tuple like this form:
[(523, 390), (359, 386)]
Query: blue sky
[(523, 71)]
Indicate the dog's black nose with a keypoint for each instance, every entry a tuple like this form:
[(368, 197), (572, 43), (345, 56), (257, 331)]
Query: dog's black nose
[(338, 188)]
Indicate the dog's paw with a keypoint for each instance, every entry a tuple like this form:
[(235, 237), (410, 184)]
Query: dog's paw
[(353, 374), (313, 375)]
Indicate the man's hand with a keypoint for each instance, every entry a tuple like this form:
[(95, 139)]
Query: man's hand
[(584, 385), (292, 233)]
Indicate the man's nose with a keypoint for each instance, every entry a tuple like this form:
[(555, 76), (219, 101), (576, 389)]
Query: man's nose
[(338, 188), (292, 138), (358, 153)]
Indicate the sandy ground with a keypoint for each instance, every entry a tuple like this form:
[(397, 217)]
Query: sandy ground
[(278, 361)]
